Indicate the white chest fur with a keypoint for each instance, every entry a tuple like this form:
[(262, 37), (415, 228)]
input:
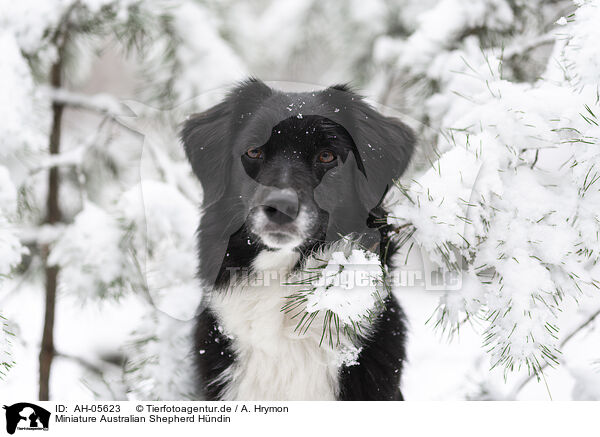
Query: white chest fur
[(272, 361)]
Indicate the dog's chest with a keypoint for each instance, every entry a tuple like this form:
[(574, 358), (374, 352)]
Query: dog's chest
[(272, 362)]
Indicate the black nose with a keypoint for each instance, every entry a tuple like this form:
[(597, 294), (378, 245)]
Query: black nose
[(281, 207)]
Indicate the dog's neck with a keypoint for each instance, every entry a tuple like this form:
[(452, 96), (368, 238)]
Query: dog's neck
[(280, 260)]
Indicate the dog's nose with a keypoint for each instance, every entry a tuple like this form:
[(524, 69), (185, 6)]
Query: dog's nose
[(281, 206)]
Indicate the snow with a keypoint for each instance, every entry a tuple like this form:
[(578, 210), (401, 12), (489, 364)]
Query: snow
[(22, 127), (99, 102), (581, 55), (163, 223), (201, 48), (347, 286), (11, 249), (160, 362), (8, 193), (587, 384), (347, 356), (6, 341), (92, 258), (443, 24), (443, 194)]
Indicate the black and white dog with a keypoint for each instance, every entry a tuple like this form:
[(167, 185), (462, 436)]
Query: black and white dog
[(285, 175)]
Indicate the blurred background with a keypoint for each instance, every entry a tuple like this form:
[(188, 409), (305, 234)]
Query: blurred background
[(98, 206)]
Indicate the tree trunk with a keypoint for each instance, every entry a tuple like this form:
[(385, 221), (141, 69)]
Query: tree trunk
[(53, 215)]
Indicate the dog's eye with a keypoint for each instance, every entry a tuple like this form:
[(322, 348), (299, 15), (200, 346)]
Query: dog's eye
[(326, 156), (254, 153)]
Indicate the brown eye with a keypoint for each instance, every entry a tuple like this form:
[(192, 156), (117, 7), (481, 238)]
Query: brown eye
[(254, 153), (326, 156)]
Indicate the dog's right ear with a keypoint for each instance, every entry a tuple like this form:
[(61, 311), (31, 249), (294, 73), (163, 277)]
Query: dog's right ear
[(206, 139)]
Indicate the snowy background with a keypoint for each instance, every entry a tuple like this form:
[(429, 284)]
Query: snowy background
[(503, 193)]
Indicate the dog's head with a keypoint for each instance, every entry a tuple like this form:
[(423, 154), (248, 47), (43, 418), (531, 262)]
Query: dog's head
[(294, 169)]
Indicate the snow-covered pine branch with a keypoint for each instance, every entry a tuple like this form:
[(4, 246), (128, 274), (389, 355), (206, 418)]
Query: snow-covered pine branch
[(521, 225), (341, 288), (101, 103)]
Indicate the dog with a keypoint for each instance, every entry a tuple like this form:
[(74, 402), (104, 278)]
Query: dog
[(285, 177)]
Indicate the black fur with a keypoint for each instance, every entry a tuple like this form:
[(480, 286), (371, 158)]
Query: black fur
[(373, 150), (379, 369), (216, 354)]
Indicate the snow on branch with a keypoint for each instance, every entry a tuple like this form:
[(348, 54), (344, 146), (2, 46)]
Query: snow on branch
[(102, 103), (521, 229), (340, 289)]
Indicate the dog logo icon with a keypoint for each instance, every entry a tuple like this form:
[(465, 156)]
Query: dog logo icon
[(26, 416)]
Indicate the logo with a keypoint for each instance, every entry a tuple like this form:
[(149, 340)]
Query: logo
[(25, 416)]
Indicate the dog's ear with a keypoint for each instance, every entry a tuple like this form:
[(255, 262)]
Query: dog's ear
[(208, 137), (384, 146)]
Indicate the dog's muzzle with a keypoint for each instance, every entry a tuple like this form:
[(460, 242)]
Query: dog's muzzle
[(278, 218)]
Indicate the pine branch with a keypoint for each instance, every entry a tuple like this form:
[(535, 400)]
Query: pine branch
[(318, 280), (101, 103), (73, 157)]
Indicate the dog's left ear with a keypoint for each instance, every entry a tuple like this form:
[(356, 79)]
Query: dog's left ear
[(385, 146)]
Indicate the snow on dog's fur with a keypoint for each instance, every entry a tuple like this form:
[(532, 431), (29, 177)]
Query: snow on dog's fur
[(284, 176)]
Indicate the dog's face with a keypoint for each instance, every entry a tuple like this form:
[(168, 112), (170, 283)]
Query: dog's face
[(290, 170)]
